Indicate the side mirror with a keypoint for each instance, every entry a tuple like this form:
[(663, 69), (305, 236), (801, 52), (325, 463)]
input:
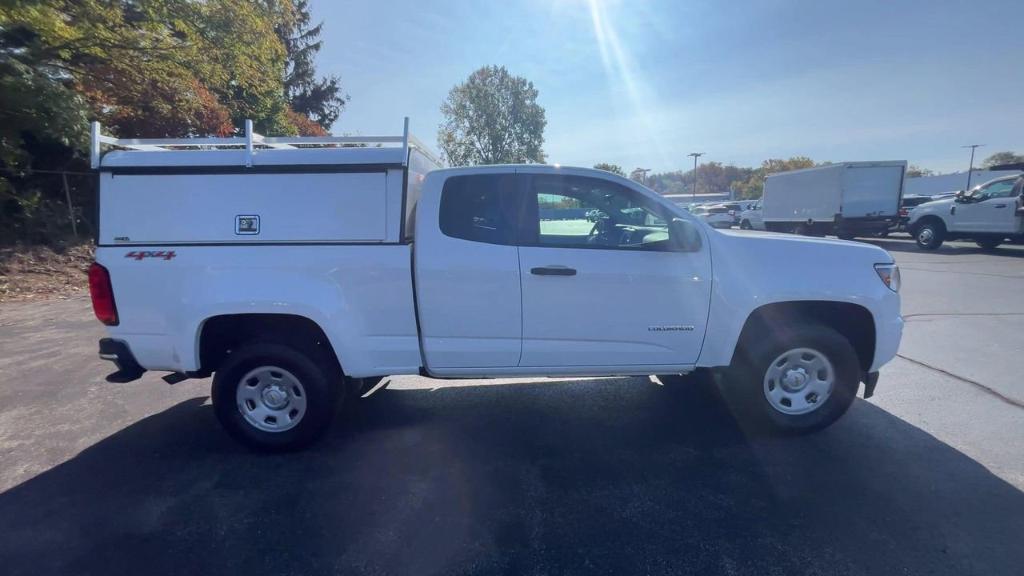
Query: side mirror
[(684, 235)]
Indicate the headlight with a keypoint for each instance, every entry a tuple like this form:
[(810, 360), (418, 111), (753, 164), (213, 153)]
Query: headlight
[(890, 275)]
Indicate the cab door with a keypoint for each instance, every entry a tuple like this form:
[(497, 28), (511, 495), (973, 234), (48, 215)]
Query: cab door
[(990, 208), (468, 294), (602, 287)]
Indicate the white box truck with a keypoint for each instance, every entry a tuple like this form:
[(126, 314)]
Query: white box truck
[(300, 271), (847, 199)]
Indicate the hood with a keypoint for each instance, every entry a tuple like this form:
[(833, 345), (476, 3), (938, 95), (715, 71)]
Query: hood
[(783, 248)]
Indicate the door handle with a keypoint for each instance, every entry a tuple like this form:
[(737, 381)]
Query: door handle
[(553, 271), (1000, 205)]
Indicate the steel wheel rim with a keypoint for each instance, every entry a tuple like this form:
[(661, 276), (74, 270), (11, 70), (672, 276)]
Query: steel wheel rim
[(799, 381), (271, 399), (926, 235)]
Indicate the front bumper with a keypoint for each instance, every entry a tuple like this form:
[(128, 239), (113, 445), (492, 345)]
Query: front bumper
[(870, 381), (118, 352)]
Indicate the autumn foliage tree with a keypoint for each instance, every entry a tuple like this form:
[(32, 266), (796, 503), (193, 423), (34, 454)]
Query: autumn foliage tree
[(146, 68)]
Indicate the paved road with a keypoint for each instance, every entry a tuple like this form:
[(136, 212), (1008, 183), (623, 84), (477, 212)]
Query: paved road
[(607, 476)]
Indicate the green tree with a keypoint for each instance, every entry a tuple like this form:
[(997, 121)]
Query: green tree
[(492, 118), (753, 186), (146, 68), (318, 98), (1002, 158), (613, 168), (713, 177)]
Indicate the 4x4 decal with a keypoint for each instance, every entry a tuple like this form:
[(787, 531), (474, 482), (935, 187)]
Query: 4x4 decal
[(139, 255)]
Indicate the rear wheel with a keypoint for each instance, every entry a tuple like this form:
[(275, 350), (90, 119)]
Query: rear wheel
[(800, 380), (929, 234), (988, 243), (274, 397)]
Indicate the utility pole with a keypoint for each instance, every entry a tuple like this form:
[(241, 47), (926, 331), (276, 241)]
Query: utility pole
[(971, 169), (695, 156)]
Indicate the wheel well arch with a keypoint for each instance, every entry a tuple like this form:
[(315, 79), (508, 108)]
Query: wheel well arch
[(219, 335), (926, 219), (853, 321)]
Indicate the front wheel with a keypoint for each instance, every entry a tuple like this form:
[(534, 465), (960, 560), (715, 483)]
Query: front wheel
[(745, 225), (273, 397), (800, 380), (929, 235), (989, 243)]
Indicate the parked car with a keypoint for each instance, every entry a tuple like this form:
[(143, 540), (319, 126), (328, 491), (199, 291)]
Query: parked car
[(847, 199), (989, 214), (750, 219), (734, 209), (297, 273), (715, 216)]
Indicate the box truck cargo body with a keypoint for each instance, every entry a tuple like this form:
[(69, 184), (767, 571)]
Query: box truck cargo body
[(847, 199)]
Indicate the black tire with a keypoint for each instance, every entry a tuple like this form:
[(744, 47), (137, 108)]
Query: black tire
[(929, 234), (746, 379), (319, 381), (988, 243), (745, 225)]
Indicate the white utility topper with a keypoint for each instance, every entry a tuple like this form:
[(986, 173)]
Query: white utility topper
[(298, 271)]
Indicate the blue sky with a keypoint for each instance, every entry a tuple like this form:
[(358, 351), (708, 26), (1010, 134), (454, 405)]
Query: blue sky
[(644, 83)]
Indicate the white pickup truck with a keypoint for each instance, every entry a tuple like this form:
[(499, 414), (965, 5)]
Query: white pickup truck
[(990, 214), (297, 271)]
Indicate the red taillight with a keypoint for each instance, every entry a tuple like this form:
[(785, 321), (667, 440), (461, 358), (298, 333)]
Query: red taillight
[(102, 295), (904, 212)]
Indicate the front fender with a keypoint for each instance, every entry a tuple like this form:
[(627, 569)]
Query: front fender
[(754, 270)]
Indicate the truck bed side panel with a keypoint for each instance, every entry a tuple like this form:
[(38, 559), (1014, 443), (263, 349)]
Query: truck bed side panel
[(361, 296)]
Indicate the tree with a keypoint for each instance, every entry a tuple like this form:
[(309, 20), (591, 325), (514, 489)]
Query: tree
[(492, 118), (613, 168), (1000, 158), (319, 99), (713, 178), (917, 172), (753, 186), (153, 68)]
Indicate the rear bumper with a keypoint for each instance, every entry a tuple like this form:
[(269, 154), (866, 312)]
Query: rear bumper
[(118, 352)]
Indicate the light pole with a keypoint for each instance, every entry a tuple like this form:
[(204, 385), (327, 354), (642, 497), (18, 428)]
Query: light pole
[(971, 168), (695, 156), (643, 175)]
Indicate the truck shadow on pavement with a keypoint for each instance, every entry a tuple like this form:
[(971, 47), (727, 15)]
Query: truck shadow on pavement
[(612, 476)]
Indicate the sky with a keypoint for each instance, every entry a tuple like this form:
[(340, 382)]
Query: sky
[(642, 84)]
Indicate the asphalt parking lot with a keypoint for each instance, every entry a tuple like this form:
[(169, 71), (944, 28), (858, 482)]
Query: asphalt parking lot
[(605, 476)]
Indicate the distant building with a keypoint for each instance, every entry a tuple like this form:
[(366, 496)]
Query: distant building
[(932, 185)]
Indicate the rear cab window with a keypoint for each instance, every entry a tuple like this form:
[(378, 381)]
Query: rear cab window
[(480, 208)]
